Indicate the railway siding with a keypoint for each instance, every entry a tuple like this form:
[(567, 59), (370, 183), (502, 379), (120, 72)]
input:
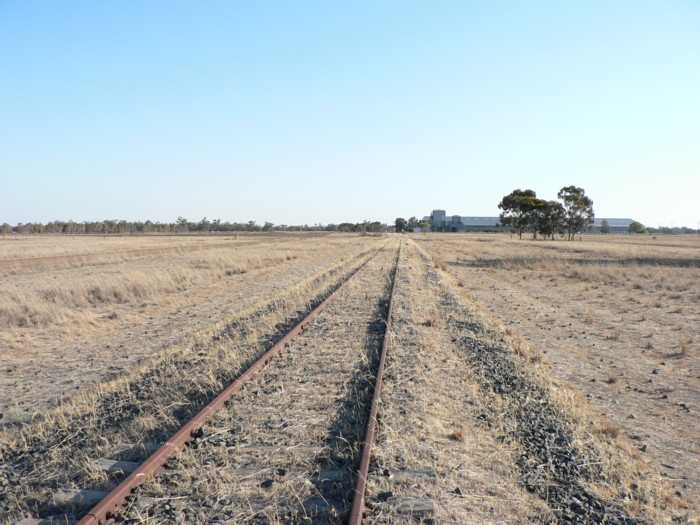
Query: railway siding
[(144, 407), (288, 445), (472, 427), (435, 460), (535, 452)]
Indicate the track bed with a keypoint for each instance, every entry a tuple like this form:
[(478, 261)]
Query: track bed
[(288, 445)]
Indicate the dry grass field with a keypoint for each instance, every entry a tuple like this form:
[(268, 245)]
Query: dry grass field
[(75, 311), (591, 346), (617, 317)]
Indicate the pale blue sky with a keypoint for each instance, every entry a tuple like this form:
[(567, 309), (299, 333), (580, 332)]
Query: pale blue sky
[(318, 112)]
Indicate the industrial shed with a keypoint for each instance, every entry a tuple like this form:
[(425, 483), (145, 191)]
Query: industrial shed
[(441, 222), (615, 225)]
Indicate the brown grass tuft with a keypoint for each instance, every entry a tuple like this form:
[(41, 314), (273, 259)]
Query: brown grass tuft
[(438, 263), (613, 336), (458, 435), (609, 430), (432, 321), (684, 346)]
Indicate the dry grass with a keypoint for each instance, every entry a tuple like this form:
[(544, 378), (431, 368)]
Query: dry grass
[(438, 263), (69, 323), (30, 246), (684, 346), (569, 311), (161, 387), (433, 321), (608, 430), (458, 435), (431, 407), (70, 295), (592, 308), (247, 478)]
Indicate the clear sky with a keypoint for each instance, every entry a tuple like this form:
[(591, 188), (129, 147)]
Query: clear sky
[(300, 112)]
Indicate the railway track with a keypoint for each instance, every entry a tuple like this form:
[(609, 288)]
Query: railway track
[(288, 442)]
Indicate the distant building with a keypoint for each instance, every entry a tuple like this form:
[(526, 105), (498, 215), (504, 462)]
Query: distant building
[(441, 222), (614, 225)]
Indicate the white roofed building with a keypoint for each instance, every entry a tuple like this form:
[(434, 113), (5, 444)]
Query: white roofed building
[(441, 222)]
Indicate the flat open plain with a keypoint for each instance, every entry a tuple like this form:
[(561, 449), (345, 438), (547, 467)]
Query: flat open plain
[(78, 310), (502, 349), (617, 317)]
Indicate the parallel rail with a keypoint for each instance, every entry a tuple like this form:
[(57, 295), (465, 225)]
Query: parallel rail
[(357, 513), (116, 502)]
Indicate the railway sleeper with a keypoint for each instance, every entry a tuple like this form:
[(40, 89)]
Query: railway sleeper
[(115, 467), (67, 500), (417, 508), (47, 521), (134, 451)]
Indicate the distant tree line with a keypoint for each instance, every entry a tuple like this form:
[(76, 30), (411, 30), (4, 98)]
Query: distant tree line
[(365, 226), (402, 225), (182, 225), (676, 230), (522, 211)]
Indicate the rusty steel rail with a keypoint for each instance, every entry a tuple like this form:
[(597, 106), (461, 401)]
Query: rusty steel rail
[(116, 501), (357, 513)]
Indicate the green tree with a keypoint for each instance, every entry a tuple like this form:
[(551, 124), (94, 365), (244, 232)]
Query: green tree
[(204, 225), (550, 218), (637, 227), (578, 209), (424, 226), (604, 226), (400, 225), (374, 226), (518, 207)]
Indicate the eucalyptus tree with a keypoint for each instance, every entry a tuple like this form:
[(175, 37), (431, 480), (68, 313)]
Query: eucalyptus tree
[(637, 227), (400, 224), (550, 218), (578, 209), (519, 208)]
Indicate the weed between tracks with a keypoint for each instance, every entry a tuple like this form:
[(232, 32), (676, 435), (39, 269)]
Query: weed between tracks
[(146, 405)]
